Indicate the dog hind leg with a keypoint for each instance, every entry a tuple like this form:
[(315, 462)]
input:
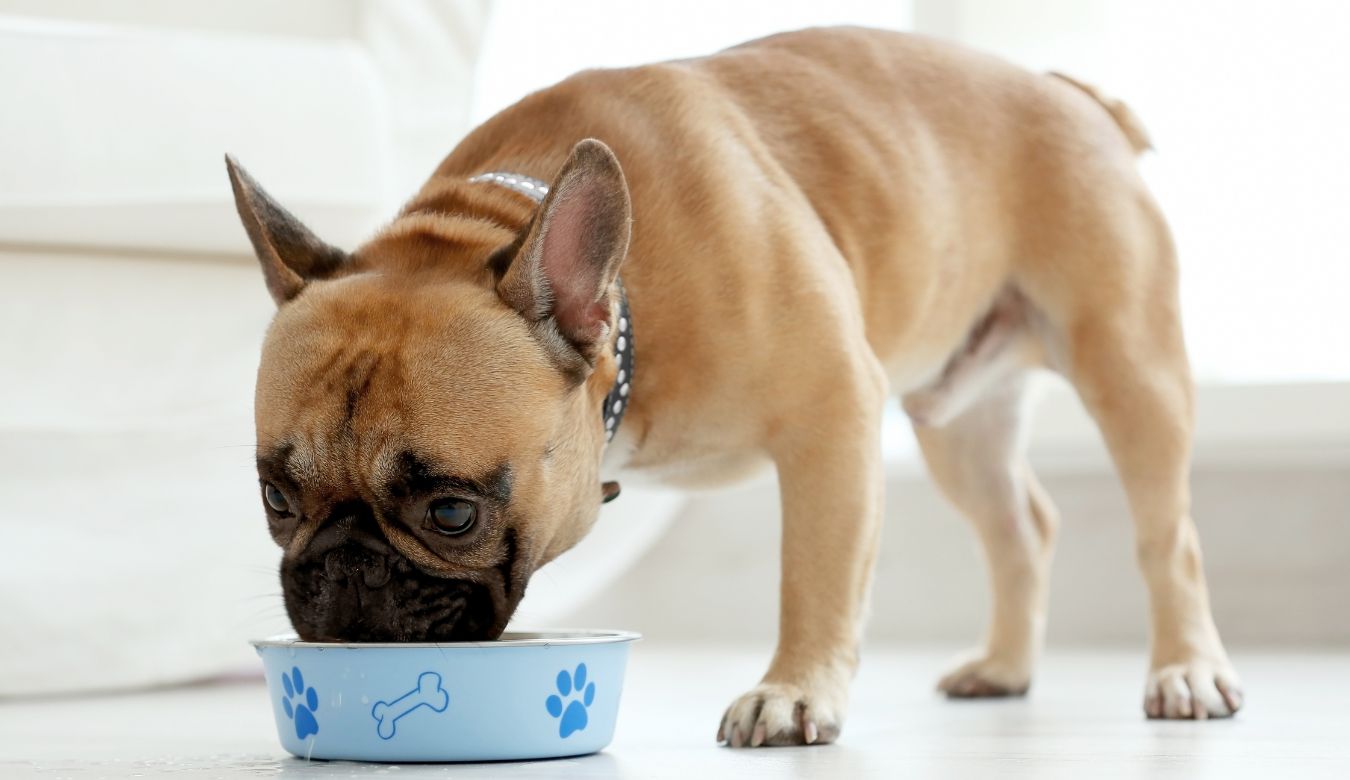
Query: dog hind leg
[(1133, 377), (977, 459)]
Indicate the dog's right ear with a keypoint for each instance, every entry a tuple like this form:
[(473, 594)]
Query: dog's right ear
[(290, 254)]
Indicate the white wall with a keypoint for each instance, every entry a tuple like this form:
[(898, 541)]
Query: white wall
[(1251, 161), (531, 45)]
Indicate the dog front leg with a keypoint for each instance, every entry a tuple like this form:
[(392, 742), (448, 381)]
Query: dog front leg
[(830, 479)]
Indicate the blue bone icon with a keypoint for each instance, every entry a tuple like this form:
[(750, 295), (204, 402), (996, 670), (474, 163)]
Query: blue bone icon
[(428, 693)]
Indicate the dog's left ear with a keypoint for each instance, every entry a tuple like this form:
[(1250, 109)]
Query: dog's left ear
[(564, 271)]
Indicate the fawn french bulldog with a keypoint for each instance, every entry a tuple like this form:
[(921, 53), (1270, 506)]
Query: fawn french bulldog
[(761, 246)]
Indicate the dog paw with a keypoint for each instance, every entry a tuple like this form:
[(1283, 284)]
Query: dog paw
[(1192, 690), (983, 677), (781, 714)]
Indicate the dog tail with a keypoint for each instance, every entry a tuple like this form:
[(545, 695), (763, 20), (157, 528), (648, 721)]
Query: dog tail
[(1126, 119)]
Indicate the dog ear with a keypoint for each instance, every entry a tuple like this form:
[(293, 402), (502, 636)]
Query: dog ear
[(290, 254), (563, 274)]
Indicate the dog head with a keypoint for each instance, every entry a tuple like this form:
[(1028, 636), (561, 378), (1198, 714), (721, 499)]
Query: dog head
[(428, 409)]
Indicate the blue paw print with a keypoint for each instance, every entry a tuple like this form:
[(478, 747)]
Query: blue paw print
[(573, 718), (302, 712)]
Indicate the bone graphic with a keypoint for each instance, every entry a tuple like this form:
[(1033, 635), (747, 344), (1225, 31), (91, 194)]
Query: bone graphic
[(428, 693)]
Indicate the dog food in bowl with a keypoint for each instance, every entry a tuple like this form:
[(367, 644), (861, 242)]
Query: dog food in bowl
[(527, 695)]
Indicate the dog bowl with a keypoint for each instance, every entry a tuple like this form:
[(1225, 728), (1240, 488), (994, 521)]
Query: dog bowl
[(526, 695)]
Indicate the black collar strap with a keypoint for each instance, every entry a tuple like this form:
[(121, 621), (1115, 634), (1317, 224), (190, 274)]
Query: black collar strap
[(616, 403)]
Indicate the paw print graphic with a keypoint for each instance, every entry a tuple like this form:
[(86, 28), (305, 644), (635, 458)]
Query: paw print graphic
[(306, 701), (569, 710)]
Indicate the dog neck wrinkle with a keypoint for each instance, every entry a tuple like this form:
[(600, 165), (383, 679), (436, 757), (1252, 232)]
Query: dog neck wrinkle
[(457, 198)]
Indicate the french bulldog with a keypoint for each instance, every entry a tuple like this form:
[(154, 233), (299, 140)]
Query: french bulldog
[(692, 270)]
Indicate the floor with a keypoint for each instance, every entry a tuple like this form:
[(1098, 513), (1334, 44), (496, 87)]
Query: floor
[(1082, 720)]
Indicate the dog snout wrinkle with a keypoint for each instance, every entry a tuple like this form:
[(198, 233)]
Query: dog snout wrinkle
[(350, 523)]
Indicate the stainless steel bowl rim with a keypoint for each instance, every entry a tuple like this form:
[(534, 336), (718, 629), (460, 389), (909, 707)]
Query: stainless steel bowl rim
[(512, 639)]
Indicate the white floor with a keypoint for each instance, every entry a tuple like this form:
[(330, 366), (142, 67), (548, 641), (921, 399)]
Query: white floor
[(1081, 721)]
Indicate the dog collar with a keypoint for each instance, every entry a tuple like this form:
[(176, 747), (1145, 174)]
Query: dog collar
[(525, 185), (616, 402)]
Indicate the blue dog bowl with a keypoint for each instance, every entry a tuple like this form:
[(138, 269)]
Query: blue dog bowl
[(527, 695)]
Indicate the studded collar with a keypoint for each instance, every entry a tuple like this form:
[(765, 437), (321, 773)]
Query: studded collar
[(616, 402)]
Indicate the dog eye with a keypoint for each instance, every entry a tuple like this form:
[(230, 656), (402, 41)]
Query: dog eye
[(275, 498), (452, 516)]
